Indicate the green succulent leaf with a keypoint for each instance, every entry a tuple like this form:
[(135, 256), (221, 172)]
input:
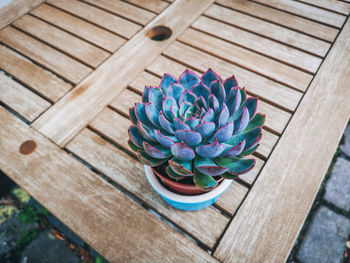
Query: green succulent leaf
[(148, 160), (235, 166), (172, 174), (229, 176), (181, 167), (133, 146), (257, 121), (249, 151), (203, 181), (132, 116)]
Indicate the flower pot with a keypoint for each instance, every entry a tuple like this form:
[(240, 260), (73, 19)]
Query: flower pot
[(186, 202), (181, 188)]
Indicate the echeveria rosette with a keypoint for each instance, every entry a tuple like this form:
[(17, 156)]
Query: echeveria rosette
[(201, 126)]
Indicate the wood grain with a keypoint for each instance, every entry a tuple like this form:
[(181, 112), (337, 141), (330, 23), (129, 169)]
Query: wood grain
[(117, 223), (156, 6), (65, 42), (97, 16), (333, 5), (272, 215), (250, 177), (62, 121), (20, 99), (307, 11), (125, 10), (79, 27), (16, 9), (258, 63), (269, 30), (144, 79), (129, 173), (40, 80), (281, 18), (50, 58)]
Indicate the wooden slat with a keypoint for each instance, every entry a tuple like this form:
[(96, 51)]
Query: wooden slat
[(73, 46), (281, 18), (79, 27), (62, 121), (333, 5), (270, 30), (59, 63), (142, 80), (250, 177), (97, 16), (20, 99), (262, 87), (307, 11), (255, 62), (130, 174), (267, 144), (43, 81), (156, 6), (126, 10), (125, 100), (100, 214), (15, 9), (230, 200), (271, 216)]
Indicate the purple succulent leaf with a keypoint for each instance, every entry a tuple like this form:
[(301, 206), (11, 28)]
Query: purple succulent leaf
[(188, 79), (234, 100), (213, 103), (175, 91), (180, 125), (224, 133), (141, 115), (146, 132), (191, 111), (193, 121), (155, 96), (201, 103), (242, 122), (209, 115), (168, 102), (209, 76), (190, 138), (156, 151), (172, 174), (203, 181), (145, 94), (135, 136), (203, 112), (206, 129), (165, 140), (233, 151), (165, 124), (149, 160), (184, 107), (250, 137), (230, 83), (165, 82), (132, 116), (201, 90), (181, 167), (182, 151), (252, 104), (152, 113), (208, 166), (224, 116), (187, 96), (217, 89), (211, 150), (174, 111)]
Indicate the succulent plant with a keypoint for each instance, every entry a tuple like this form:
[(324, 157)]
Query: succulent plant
[(198, 126)]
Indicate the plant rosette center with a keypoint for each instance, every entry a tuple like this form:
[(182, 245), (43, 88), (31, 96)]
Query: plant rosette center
[(197, 127)]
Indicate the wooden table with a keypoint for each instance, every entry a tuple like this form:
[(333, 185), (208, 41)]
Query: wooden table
[(73, 68)]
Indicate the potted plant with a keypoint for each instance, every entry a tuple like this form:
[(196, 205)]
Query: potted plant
[(193, 134)]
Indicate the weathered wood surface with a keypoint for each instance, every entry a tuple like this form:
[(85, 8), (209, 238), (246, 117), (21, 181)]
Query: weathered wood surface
[(22, 100), (67, 117), (15, 9), (271, 216), (107, 219)]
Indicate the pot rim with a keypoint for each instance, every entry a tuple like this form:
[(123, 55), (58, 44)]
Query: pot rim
[(152, 178)]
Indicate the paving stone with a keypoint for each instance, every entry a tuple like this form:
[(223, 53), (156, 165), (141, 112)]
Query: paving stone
[(345, 147), (325, 239), (47, 249), (338, 185)]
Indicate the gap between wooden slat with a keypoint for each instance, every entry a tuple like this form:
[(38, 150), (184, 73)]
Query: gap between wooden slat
[(281, 18)]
